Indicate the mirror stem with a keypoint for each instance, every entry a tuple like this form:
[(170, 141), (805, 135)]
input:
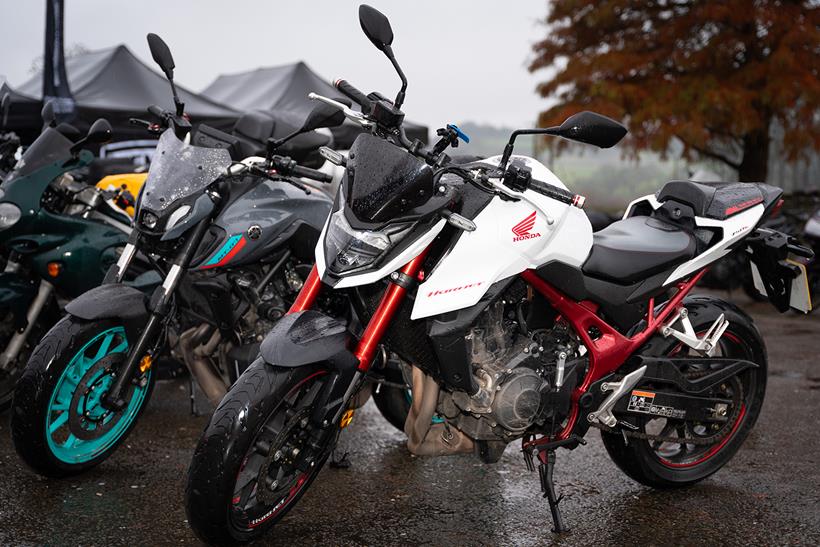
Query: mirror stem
[(180, 106), (508, 150), (400, 95)]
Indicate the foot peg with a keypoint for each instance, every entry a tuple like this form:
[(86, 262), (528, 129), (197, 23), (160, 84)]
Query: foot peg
[(705, 345), (545, 471)]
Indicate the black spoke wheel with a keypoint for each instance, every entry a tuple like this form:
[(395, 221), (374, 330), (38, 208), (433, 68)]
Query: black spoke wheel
[(258, 454), (692, 451)]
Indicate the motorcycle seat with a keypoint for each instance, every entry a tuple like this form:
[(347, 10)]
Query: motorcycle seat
[(718, 200), (635, 248)]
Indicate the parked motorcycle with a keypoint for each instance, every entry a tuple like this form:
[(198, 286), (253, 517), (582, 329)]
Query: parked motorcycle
[(233, 242), (58, 236), (520, 323)]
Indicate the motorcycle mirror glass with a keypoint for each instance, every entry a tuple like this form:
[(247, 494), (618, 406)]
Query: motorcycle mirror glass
[(100, 132), (322, 115), (161, 54), (47, 113), (376, 26), (591, 128)]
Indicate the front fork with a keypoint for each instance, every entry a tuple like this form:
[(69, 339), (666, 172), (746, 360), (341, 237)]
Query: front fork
[(160, 305), (398, 284), (19, 338)]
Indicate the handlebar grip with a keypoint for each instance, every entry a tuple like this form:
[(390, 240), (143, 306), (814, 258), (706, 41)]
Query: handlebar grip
[(348, 89), (157, 111), (309, 173), (556, 193)]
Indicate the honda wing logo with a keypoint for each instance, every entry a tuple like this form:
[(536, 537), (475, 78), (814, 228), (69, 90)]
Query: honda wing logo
[(521, 231)]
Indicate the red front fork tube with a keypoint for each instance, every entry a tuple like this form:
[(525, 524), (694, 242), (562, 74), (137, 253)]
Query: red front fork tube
[(384, 314), (310, 290)]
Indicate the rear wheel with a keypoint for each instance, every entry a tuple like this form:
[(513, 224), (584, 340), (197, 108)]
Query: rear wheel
[(59, 425), (258, 454), (696, 450)]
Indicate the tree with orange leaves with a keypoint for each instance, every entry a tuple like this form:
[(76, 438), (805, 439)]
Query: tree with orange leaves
[(716, 75)]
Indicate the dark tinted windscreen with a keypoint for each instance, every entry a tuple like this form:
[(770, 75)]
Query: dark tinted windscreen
[(386, 181), (49, 147)]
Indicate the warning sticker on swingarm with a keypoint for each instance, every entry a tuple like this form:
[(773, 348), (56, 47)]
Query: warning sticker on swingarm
[(644, 401)]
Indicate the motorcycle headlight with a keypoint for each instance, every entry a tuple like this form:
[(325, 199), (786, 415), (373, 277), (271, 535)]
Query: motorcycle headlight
[(149, 220), (9, 215), (176, 216), (349, 248)]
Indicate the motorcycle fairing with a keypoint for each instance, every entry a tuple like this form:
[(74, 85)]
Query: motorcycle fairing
[(510, 237)]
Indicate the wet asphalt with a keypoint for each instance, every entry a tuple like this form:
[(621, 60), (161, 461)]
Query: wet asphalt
[(769, 494)]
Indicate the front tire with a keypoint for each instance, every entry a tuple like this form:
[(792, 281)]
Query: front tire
[(665, 465), (58, 425), (237, 486)]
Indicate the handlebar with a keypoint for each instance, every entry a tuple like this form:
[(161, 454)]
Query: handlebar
[(556, 193), (309, 173), (354, 94)]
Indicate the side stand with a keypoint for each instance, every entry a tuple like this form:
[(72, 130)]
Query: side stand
[(545, 471)]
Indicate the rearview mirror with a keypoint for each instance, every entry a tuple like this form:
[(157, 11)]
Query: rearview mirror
[(100, 132), (591, 128), (161, 54), (47, 113), (376, 26), (322, 115)]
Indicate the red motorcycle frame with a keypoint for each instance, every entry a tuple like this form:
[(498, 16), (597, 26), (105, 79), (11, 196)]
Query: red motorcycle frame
[(607, 352)]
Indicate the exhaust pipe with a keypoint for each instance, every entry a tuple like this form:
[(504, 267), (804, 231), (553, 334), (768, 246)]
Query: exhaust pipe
[(196, 354)]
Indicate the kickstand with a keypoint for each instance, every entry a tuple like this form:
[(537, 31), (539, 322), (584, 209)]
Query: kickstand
[(548, 487), (339, 463)]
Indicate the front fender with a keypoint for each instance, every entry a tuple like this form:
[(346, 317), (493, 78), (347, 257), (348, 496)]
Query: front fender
[(307, 337), (109, 301), (16, 294)]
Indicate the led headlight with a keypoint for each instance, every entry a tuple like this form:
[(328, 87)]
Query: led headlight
[(349, 249), (9, 215), (176, 216), (149, 220)]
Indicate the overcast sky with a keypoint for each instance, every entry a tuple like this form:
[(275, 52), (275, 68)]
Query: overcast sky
[(465, 59)]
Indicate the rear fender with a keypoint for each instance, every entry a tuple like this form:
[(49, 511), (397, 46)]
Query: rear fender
[(313, 338), (112, 301)]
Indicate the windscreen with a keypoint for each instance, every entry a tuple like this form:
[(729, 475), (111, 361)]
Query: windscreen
[(179, 170), (384, 181), (49, 147)]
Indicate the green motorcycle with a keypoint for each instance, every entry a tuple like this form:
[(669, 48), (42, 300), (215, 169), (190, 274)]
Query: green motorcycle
[(58, 236)]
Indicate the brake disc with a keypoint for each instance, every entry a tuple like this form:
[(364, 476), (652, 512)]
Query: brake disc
[(286, 450), (87, 418)]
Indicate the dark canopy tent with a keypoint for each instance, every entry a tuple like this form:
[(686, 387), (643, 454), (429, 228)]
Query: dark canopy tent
[(24, 114), (114, 84), (284, 89)]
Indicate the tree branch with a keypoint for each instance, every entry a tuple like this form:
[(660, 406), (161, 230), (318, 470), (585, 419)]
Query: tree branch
[(710, 153)]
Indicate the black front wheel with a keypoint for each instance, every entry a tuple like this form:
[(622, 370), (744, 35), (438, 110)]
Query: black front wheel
[(258, 454)]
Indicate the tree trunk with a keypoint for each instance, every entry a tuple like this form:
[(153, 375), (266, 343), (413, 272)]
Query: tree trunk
[(755, 162)]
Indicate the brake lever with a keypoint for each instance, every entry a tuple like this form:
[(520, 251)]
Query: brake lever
[(349, 113), (297, 184)]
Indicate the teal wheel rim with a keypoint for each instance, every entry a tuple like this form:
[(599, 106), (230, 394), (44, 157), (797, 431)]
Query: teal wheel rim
[(64, 444)]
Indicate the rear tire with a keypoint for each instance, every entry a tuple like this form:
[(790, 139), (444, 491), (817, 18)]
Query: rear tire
[(222, 496), (640, 461), (59, 429)]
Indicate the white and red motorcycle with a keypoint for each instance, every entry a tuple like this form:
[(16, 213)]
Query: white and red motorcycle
[(518, 321)]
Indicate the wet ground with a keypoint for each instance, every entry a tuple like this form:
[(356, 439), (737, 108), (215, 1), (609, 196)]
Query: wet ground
[(769, 494)]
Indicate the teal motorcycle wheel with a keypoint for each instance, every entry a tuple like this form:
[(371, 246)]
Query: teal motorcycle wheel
[(59, 425)]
